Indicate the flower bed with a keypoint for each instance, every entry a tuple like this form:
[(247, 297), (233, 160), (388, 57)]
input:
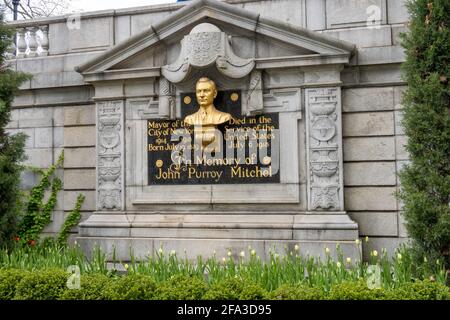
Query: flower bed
[(52, 273)]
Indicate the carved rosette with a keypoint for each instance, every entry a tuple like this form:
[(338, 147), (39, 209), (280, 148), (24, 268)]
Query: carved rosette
[(109, 155), (324, 149)]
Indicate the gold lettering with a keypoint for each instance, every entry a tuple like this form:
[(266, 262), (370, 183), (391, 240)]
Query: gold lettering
[(152, 147), (191, 172), (251, 173), (216, 175), (167, 175)]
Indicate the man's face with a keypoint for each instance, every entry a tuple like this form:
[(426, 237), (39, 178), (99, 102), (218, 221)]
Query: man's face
[(206, 93)]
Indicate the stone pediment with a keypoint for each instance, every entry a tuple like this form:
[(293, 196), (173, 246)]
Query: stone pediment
[(243, 40)]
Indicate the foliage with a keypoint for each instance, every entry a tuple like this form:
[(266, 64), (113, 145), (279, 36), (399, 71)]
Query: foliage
[(235, 289), (9, 278), (92, 287), (350, 290), (181, 287), (426, 180), (297, 292), (41, 257), (11, 146), (290, 269), (50, 284), (38, 213), (31, 9), (162, 267), (71, 221), (130, 287), (38, 273), (420, 290), (43, 285)]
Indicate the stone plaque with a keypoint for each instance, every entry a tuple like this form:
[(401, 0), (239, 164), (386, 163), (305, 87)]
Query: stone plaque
[(242, 150)]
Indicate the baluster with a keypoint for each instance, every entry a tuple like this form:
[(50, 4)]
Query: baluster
[(32, 42), (44, 41), (21, 43)]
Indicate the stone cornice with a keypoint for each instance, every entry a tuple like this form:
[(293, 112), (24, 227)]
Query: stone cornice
[(200, 10)]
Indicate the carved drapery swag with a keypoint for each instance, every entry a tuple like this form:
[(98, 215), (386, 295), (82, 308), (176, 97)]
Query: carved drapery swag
[(206, 46)]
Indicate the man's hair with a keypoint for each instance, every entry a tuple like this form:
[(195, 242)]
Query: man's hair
[(205, 79)]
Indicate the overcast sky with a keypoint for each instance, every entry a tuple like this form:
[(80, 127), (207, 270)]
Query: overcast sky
[(93, 5)]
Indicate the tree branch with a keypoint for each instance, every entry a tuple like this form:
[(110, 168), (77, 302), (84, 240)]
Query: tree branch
[(30, 9)]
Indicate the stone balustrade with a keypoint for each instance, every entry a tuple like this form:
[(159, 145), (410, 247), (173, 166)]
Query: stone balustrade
[(31, 41)]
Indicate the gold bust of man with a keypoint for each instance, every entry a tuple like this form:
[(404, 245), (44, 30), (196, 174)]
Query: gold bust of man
[(207, 115)]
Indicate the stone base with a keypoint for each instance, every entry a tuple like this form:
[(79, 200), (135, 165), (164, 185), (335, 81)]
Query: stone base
[(204, 234)]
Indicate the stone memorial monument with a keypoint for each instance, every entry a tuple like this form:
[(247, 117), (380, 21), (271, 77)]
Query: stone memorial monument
[(302, 143), (218, 129)]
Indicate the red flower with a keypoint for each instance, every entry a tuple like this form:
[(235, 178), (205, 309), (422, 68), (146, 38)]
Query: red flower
[(16, 238), (32, 242)]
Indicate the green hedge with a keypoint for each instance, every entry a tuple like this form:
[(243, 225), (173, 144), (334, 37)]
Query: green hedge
[(9, 280), (92, 287), (43, 285), (181, 287), (51, 285), (130, 287), (235, 289), (296, 292)]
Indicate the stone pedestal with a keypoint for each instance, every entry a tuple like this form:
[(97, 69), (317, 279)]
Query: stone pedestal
[(218, 232)]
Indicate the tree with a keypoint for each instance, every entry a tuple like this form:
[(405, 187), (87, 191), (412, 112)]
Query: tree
[(425, 182), (11, 146), (31, 9)]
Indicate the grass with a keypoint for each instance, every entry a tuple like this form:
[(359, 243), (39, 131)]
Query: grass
[(290, 268)]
